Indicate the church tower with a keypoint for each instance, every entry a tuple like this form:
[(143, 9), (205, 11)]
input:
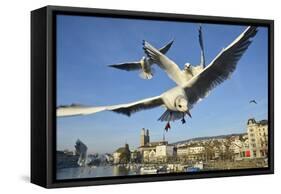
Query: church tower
[(144, 138)]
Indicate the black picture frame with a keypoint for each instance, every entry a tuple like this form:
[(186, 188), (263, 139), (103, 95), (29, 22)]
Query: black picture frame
[(43, 95)]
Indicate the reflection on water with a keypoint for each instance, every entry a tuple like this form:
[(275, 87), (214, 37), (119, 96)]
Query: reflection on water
[(90, 172)]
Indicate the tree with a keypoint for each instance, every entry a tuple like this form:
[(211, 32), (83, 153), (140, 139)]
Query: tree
[(125, 154), (228, 152)]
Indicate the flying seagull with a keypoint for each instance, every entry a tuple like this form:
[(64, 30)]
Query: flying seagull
[(171, 68), (178, 101), (144, 65), (253, 101)]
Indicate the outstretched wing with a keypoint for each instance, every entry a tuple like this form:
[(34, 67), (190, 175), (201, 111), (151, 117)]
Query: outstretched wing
[(200, 36), (130, 66), (126, 109), (165, 48), (220, 68), (133, 66), (169, 66)]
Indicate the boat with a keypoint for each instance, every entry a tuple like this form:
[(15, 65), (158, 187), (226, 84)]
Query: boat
[(148, 170), (192, 169), (163, 170)]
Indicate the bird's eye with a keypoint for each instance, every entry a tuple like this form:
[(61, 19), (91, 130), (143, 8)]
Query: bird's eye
[(180, 106)]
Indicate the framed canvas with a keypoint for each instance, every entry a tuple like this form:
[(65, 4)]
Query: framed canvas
[(126, 96)]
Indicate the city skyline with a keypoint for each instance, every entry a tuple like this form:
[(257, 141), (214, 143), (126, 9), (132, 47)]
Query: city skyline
[(84, 51)]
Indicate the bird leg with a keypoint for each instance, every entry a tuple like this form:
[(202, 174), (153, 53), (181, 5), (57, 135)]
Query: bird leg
[(167, 127), (183, 120)]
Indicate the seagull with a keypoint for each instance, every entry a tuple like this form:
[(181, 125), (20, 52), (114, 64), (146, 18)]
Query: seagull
[(179, 100), (144, 65), (180, 77), (253, 101)]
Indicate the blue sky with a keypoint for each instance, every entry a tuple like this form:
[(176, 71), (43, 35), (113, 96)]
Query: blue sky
[(87, 45)]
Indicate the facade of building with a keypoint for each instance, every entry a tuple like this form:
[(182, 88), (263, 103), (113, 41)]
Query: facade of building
[(116, 157), (158, 151), (144, 138), (164, 152), (122, 155), (258, 138), (250, 145), (253, 144), (67, 159), (191, 152)]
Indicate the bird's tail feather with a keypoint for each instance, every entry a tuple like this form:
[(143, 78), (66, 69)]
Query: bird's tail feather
[(171, 116), (147, 75)]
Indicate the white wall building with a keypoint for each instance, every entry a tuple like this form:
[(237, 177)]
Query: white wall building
[(164, 152), (258, 138)]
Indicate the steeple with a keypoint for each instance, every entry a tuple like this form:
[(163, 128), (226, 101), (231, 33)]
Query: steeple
[(144, 138)]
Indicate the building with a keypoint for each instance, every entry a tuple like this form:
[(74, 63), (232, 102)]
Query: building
[(164, 152), (135, 156), (240, 147), (144, 138), (258, 138), (66, 159), (250, 145), (122, 155), (157, 151), (191, 152), (148, 152)]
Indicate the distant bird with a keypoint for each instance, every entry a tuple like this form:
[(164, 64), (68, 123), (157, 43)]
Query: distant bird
[(179, 100), (171, 68), (253, 101), (144, 65)]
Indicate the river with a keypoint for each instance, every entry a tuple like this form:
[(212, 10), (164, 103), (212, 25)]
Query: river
[(91, 172)]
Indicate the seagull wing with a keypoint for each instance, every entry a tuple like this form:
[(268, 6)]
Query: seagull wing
[(169, 66), (136, 65), (200, 36), (130, 66), (253, 101), (220, 68), (126, 109), (165, 48)]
